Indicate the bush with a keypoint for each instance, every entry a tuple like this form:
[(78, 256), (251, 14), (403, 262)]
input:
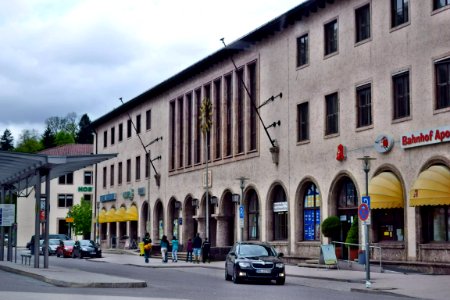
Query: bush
[(331, 227), (353, 234)]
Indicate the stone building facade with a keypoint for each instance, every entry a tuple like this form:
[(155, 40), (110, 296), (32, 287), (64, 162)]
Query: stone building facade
[(295, 105)]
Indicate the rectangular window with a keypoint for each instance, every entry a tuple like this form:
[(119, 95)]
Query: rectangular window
[(400, 85), (207, 95), (180, 132), (362, 21), (87, 197), (399, 12), (436, 223), (128, 170), (218, 117), (148, 119), (113, 135), (440, 3), (172, 131), (138, 168), (364, 105), (442, 70), (88, 177), (280, 226), (332, 114), (240, 110), (111, 176), (65, 200), (189, 129), (198, 132), (120, 132), (105, 139), (229, 112), (331, 37), (302, 50), (129, 128), (119, 173), (66, 179), (303, 122), (252, 106), (138, 124), (104, 178)]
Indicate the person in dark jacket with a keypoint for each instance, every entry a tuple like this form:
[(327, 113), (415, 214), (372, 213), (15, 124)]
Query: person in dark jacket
[(164, 248), (206, 247), (189, 249), (197, 247), (147, 246)]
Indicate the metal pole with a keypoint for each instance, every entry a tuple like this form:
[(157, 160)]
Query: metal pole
[(148, 191), (207, 188), (240, 204), (366, 170)]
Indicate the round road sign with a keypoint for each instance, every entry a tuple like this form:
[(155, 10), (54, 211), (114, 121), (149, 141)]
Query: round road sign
[(363, 212)]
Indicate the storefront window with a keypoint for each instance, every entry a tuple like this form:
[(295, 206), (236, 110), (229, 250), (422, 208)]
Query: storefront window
[(347, 195), (253, 215), (280, 214), (311, 214), (436, 224), (388, 224)]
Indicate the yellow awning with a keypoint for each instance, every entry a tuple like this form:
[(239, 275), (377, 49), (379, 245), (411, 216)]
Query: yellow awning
[(431, 188), (385, 191), (110, 215), (132, 213), (102, 216), (121, 214)]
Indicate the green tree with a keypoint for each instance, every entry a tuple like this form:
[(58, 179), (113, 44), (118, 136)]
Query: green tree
[(29, 142), (82, 217), (64, 138), (85, 131), (48, 139), (67, 123), (7, 141)]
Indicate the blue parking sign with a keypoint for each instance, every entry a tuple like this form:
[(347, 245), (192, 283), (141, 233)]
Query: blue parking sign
[(241, 212), (366, 200)]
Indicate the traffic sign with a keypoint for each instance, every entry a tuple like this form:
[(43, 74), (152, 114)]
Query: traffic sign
[(366, 200), (363, 211), (241, 212)]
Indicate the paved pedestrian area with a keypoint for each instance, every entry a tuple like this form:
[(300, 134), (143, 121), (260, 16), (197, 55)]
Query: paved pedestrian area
[(409, 285)]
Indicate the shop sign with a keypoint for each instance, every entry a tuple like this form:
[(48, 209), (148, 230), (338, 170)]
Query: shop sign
[(426, 137), (108, 197), (85, 189), (341, 153), (128, 194), (383, 143), (280, 206), (141, 191)]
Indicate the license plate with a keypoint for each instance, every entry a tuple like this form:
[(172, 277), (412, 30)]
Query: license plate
[(264, 271), (93, 252)]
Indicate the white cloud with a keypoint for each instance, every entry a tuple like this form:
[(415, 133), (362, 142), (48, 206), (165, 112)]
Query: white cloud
[(80, 56)]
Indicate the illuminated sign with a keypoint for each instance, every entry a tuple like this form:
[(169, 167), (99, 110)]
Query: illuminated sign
[(426, 137)]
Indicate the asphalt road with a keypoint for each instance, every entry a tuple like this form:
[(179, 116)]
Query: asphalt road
[(172, 283)]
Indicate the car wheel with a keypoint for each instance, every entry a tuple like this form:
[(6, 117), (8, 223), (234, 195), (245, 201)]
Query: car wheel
[(73, 255), (235, 277), (280, 281), (227, 276), (80, 256), (57, 255)]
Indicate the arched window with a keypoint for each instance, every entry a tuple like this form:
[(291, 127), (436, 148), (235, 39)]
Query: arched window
[(253, 216), (347, 195), (311, 213), (280, 214)]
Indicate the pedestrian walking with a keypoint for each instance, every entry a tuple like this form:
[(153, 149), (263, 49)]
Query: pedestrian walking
[(189, 249), (147, 247), (197, 247), (206, 247), (174, 249), (164, 248)]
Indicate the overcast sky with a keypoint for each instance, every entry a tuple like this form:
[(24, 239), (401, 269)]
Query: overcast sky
[(62, 56)]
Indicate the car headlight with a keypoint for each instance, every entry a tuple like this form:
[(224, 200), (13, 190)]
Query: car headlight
[(279, 265), (244, 264), (84, 249)]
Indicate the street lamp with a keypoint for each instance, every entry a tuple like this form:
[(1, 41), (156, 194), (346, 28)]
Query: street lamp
[(366, 168), (241, 210), (215, 200)]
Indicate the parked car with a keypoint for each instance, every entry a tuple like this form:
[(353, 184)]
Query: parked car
[(50, 236), (86, 248), (52, 246), (254, 261), (65, 248)]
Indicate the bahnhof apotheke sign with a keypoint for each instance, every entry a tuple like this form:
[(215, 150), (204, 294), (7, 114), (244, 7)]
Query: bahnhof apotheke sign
[(426, 137)]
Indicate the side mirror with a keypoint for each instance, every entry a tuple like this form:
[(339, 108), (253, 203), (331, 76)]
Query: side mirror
[(281, 254)]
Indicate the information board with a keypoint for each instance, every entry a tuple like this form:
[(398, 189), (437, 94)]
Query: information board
[(329, 254), (7, 214)]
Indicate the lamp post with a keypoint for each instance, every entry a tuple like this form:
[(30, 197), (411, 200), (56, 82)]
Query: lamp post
[(241, 210), (366, 167), (150, 164)]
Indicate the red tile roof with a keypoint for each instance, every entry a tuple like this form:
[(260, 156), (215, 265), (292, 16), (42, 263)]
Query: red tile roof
[(69, 150)]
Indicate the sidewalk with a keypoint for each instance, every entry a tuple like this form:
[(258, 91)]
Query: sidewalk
[(387, 283)]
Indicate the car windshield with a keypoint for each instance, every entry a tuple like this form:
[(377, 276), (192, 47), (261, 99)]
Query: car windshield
[(87, 243), (255, 250), (69, 243), (53, 242)]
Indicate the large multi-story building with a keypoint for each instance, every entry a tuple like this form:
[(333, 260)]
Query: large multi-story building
[(295, 105), (65, 191)]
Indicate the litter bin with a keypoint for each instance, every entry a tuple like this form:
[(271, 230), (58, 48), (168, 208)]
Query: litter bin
[(141, 248)]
